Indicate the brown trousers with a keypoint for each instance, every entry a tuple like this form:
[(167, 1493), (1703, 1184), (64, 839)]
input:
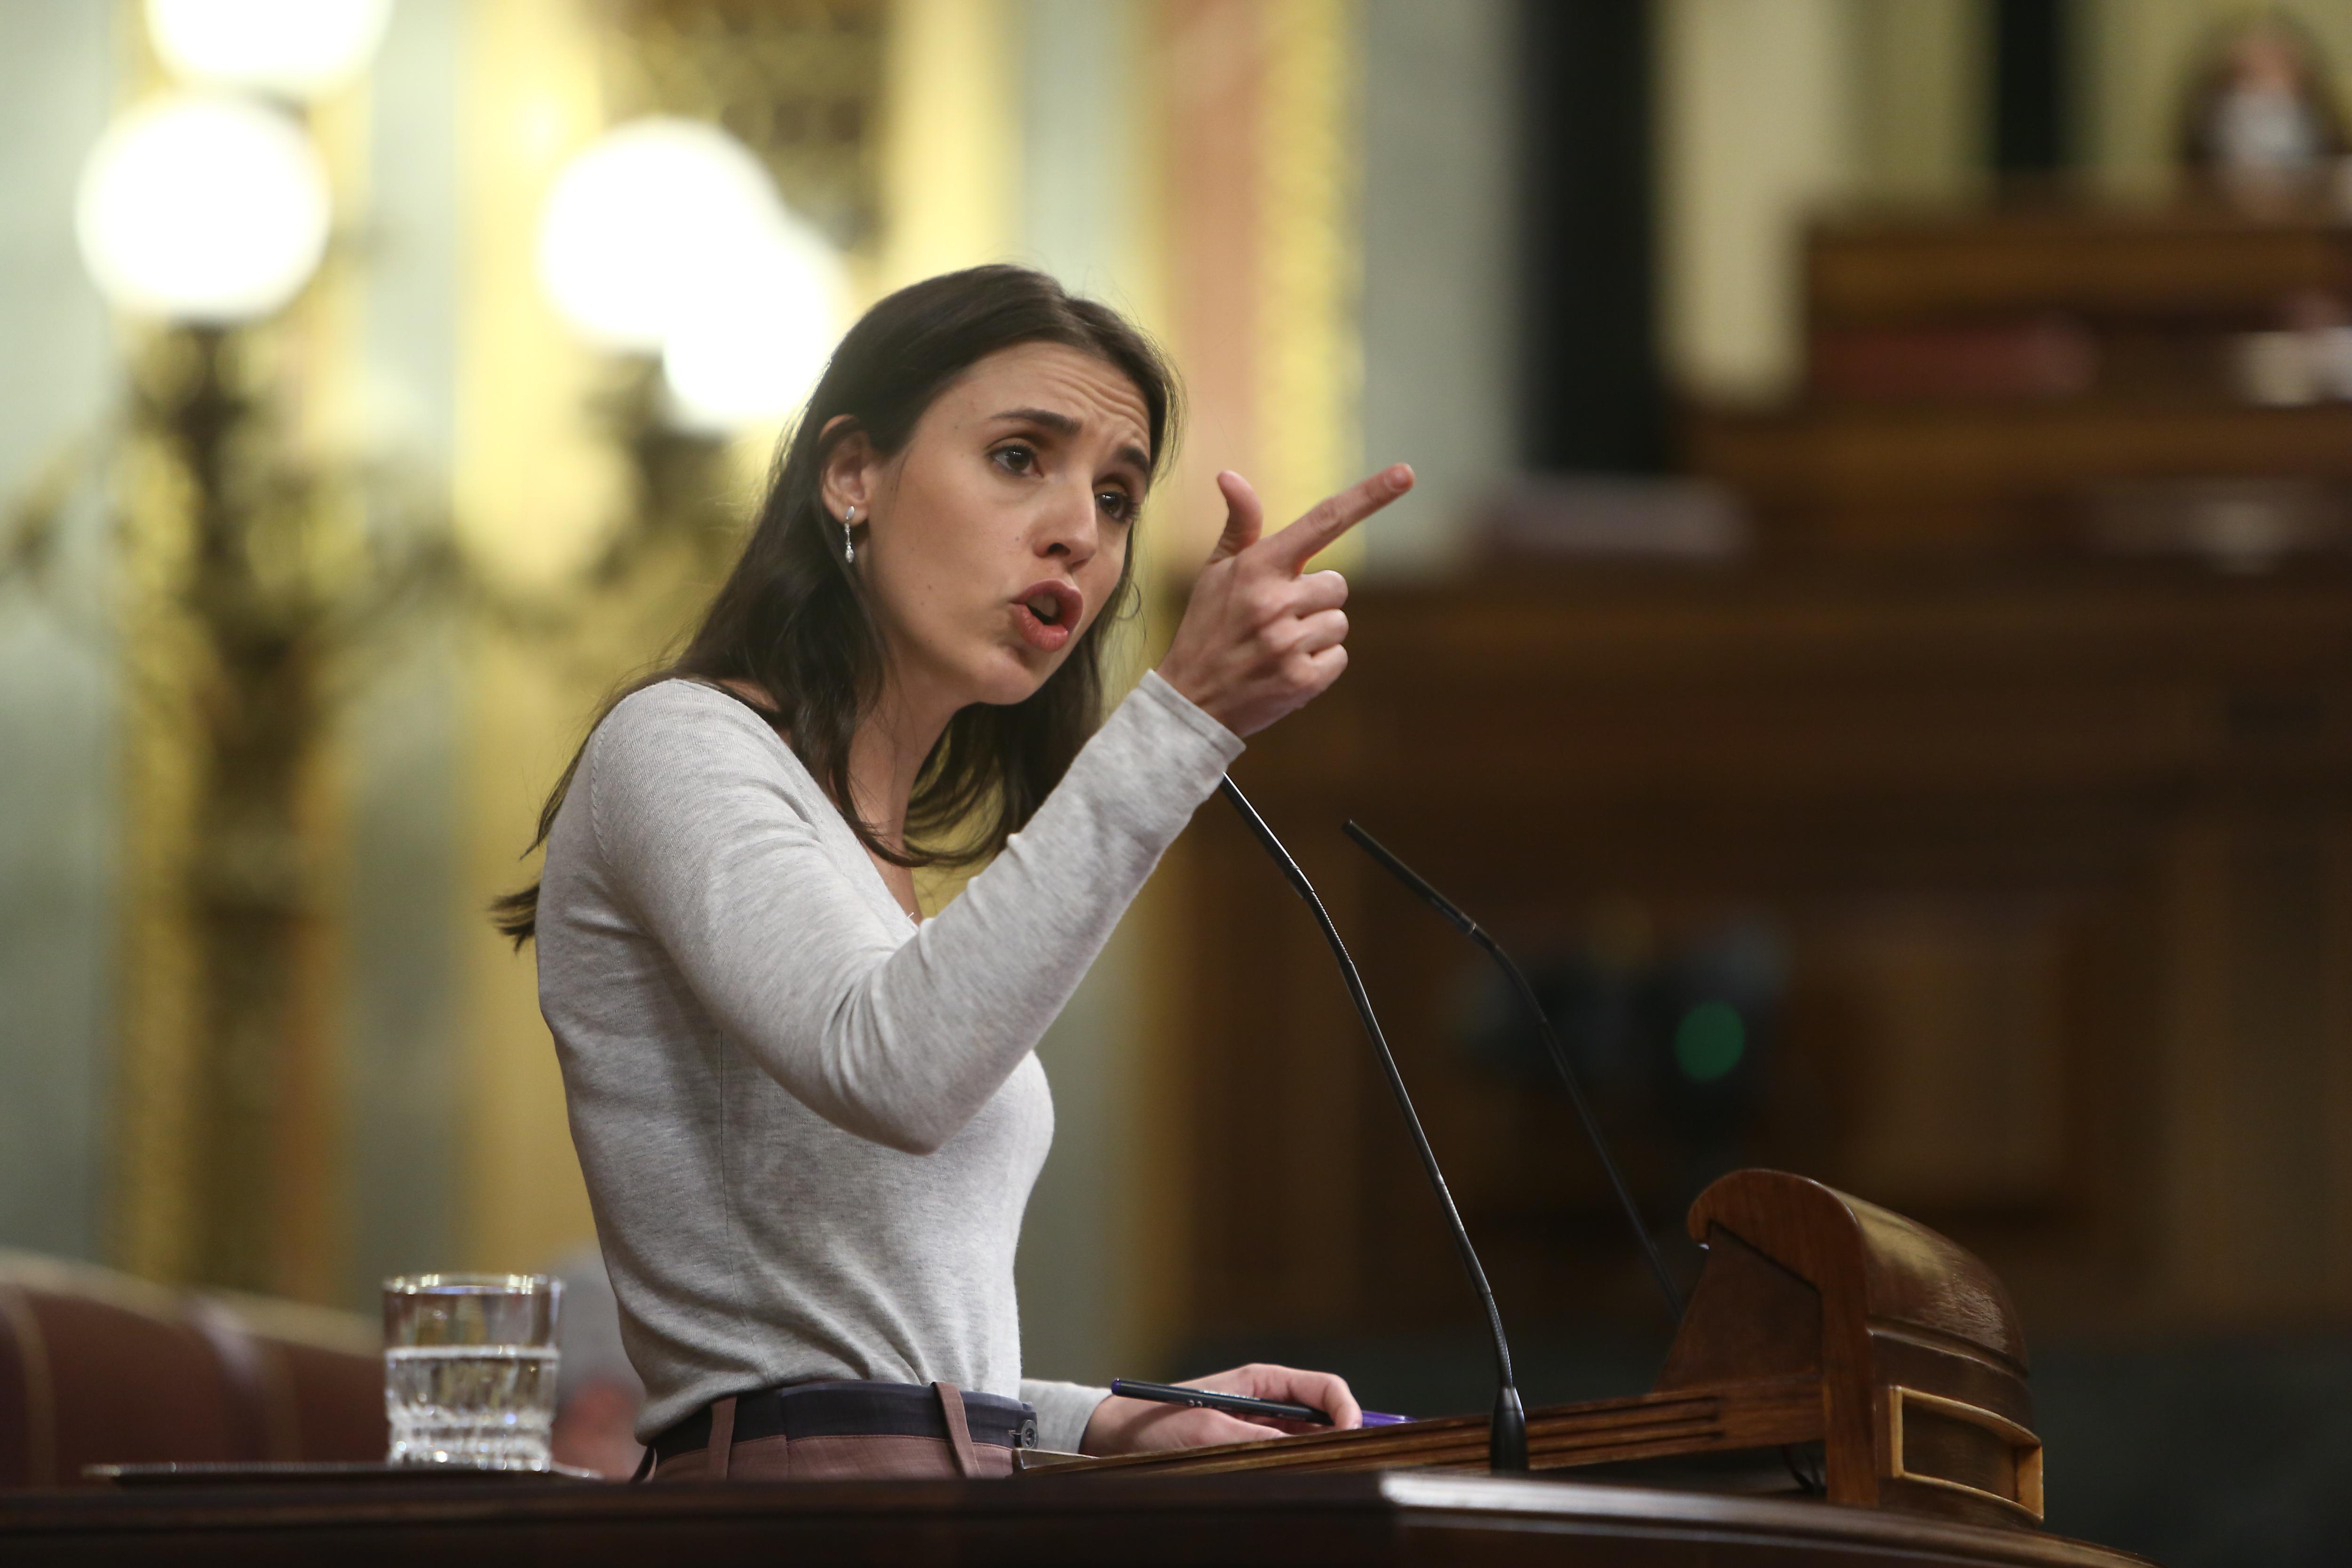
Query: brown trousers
[(847, 1457)]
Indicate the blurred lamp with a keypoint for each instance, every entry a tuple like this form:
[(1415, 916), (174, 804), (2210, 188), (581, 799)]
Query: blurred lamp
[(637, 217), (746, 348), (204, 209), (299, 49)]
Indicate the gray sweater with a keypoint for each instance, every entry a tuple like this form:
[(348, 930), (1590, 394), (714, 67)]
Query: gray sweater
[(809, 1127)]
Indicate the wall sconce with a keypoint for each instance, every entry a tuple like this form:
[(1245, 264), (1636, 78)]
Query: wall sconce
[(207, 211), (202, 214)]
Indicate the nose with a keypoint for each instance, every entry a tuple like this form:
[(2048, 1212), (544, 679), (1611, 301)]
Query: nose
[(1069, 530)]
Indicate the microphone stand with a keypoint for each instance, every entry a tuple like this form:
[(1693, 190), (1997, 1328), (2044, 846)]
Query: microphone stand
[(1809, 1479), (1527, 993), (1506, 1435)]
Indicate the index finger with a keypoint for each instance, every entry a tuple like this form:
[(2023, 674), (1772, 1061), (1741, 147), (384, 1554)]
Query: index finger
[(1324, 1391), (1333, 516)]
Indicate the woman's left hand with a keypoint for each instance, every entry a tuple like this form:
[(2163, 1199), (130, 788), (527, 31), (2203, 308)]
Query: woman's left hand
[(1135, 1426)]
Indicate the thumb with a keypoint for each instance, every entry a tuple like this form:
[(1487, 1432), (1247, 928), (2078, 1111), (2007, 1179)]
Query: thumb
[(1244, 517)]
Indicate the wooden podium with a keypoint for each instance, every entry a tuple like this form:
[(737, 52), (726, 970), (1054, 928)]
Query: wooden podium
[(1818, 1320), (1826, 1338), (1048, 1521)]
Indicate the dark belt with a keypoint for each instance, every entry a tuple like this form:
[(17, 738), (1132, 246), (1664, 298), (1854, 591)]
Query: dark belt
[(850, 1409)]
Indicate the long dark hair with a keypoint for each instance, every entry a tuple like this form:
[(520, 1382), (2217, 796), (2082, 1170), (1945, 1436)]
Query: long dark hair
[(791, 620)]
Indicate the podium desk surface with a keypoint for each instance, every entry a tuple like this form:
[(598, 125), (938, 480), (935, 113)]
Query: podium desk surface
[(1390, 1517)]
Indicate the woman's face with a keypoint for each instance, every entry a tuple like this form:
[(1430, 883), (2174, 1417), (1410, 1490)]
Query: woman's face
[(998, 533)]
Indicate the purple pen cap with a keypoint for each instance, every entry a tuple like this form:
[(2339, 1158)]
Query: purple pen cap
[(1382, 1418)]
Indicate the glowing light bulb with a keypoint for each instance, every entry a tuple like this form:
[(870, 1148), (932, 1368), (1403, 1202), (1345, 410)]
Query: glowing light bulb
[(202, 209), (290, 48), (748, 346), (634, 220)]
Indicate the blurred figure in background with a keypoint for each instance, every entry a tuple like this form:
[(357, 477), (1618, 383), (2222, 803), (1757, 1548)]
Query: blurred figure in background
[(2260, 121)]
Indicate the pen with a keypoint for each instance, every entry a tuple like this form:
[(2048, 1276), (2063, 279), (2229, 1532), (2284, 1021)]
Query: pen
[(1238, 1404)]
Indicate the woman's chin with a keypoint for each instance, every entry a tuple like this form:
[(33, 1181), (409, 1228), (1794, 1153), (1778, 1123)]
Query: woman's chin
[(1017, 675)]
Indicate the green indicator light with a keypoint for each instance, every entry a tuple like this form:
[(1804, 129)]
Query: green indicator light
[(1709, 1041)]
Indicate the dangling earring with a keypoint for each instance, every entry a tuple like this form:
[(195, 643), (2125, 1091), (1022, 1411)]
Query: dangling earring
[(849, 546)]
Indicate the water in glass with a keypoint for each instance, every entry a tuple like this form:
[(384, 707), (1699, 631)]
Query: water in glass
[(489, 1406), (469, 1368)]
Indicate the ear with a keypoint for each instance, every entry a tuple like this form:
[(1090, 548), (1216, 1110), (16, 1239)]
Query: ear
[(852, 472)]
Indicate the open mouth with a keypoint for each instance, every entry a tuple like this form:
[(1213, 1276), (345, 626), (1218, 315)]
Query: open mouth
[(1048, 613)]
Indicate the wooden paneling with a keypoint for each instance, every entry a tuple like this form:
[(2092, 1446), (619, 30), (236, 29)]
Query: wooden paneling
[(2014, 453), (2168, 263), (2067, 379), (2055, 858), (1042, 1522)]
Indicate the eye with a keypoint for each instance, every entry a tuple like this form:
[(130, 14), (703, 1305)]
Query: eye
[(1117, 505), (1017, 458)]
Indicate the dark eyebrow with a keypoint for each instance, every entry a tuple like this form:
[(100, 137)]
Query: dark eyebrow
[(1059, 423), (1062, 424)]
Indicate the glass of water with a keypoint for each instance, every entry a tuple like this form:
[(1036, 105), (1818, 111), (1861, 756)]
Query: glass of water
[(469, 1366)]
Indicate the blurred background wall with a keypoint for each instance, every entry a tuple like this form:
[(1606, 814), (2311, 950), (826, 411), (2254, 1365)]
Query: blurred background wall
[(1524, 246), (60, 704)]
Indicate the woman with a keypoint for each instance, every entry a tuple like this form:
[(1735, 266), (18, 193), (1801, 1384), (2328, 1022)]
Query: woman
[(809, 1119)]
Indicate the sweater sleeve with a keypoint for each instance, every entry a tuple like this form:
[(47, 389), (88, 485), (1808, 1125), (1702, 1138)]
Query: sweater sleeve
[(1063, 1411), (896, 1040)]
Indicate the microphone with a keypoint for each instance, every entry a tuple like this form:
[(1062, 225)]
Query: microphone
[(1526, 994), (1506, 1433)]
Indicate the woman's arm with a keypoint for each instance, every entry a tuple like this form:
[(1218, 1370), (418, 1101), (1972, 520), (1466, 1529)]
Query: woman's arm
[(899, 1040), (1063, 1411), (903, 1042)]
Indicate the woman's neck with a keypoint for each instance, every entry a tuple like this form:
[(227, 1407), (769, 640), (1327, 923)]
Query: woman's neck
[(887, 755)]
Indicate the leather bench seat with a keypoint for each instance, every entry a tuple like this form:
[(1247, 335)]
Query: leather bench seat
[(98, 1368)]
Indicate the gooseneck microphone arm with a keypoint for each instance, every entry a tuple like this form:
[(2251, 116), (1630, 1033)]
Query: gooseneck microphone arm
[(1494, 950), (1507, 1436)]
